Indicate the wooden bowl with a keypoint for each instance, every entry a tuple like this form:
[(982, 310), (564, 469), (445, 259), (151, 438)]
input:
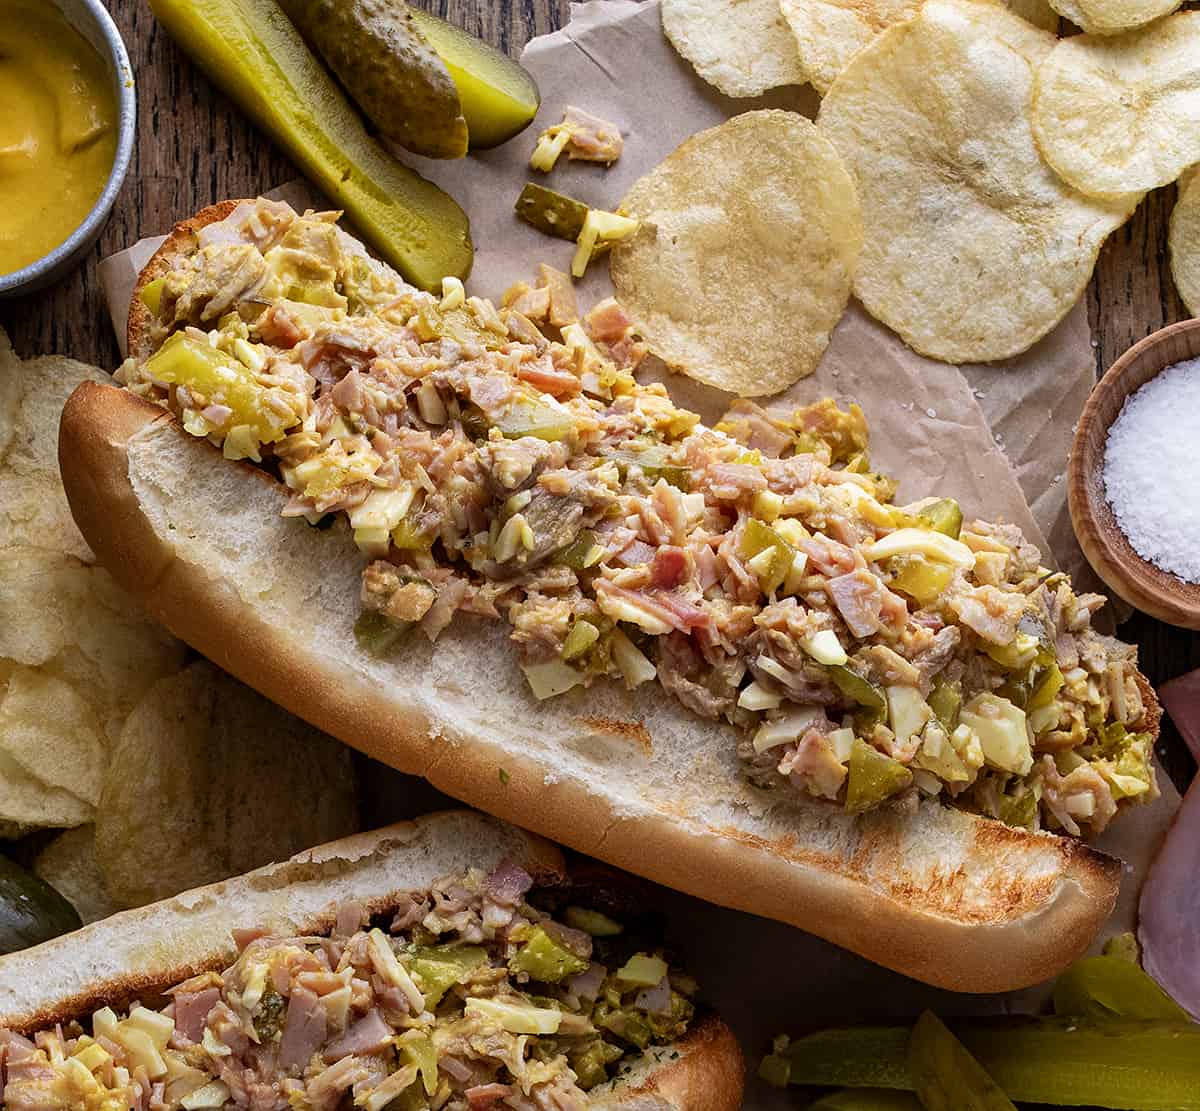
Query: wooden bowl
[(1139, 582)]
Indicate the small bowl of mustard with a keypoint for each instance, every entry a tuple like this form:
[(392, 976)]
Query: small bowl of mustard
[(66, 135)]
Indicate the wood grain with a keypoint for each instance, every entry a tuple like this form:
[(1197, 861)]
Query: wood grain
[(195, 148)]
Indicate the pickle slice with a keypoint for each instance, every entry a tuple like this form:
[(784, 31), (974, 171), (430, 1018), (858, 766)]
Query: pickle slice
[(499, 98), (378, 53), (253, 52), (1107, 987), (946, 1077), (551, 212)]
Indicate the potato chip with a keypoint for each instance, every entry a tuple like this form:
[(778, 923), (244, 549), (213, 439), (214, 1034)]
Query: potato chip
[(1110, 17), (1185, 241), (27, 804), (973, 249), (743, 263), (1122, 115), (209, 780), (33, 505), (68, 864), (830, 32), (71, 621), (743, 47), (52, 734)]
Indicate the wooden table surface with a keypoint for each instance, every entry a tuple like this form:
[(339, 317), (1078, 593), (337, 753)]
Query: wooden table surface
[(193, 148)]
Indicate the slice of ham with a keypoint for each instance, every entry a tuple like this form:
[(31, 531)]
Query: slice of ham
[(606, 321), (1181, 699), (507, 883), (482, 1097), (368, 1035), (669, 568), (304, 1030), (191, 1011), (1170, 908), (859, 599)]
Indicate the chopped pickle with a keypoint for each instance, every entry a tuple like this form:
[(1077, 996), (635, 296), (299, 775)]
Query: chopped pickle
[(416, 1048), (439, 968), (923, 580), (551, 212), (542, 958), (583, 552), (945, 1076), (185, 361), (873, 777), (582, 636), (551, 678), (1049, 682), (589, 1062), (653, 464), (378, 635), (253, 52), (943, 515), (1019, 810), (1069, 1062), (151, 295), (859, 690), (775, 1069), (767, 554), (498, 97), (945, 700), (431, 322), (1124, 947), (409, 536), (526, 415), (643, 970), (592, 922), (1109, 987)]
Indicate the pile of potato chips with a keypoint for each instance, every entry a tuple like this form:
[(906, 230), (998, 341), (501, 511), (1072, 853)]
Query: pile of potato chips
[(163, 775), (991, 157)]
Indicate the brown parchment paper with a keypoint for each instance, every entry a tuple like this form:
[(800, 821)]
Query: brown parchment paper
[(937, 429)]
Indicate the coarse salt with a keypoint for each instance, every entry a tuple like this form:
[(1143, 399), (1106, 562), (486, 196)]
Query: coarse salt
[(1149, 470)]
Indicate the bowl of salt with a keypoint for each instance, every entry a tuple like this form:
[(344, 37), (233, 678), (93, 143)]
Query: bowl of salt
[(1134, 483)]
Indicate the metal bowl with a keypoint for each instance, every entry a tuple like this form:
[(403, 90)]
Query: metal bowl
[(91, 20)]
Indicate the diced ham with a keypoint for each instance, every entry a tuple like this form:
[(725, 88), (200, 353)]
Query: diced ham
[(1181, 699), (450, 594), (534, 304), (586, 985), (732, 481), (1170, 908), (243, 939), (543, 375), (750, 425), (859, 599), (828, 556), (562, 310), (635, 554), (483, 1097), (592, 139), (350, 917), (606, 321), (304, 1029), (368, 1035), (191, 1012), (348, 394), (670, 567), (507, 883), (655, 1000)]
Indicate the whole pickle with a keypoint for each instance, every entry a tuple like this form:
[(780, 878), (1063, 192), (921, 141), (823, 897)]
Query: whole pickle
[(378, 53), (31, 911)]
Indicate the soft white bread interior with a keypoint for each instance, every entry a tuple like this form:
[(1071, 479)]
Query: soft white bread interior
[(629, 777)]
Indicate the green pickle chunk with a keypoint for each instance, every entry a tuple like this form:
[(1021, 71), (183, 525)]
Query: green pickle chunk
[(439, 968), (943, 515), (945, 700), (592, 922), (378, 635), (1109, 987), (550, 212), (767, 554), (873, 777), (859, 690), (946, 1077), (542, 958)]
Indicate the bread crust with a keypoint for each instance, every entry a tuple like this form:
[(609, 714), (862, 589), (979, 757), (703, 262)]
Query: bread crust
[(181, 937), (1002, 940)]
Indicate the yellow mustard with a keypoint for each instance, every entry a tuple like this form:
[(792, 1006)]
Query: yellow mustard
[(58, 130)]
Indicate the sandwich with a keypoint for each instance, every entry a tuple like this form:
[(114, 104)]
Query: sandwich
[(442, 964), (466, 539)]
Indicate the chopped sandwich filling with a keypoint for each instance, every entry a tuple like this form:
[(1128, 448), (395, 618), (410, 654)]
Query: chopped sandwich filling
[(506, 463), (470, 998)]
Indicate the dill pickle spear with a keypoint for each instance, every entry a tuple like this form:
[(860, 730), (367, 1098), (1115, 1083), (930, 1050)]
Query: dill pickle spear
[(1114, 1063), (499, 98), (255, 54), (551, 212), (867, 1099), (1104, 987), (376, 50), (946, 1077)]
